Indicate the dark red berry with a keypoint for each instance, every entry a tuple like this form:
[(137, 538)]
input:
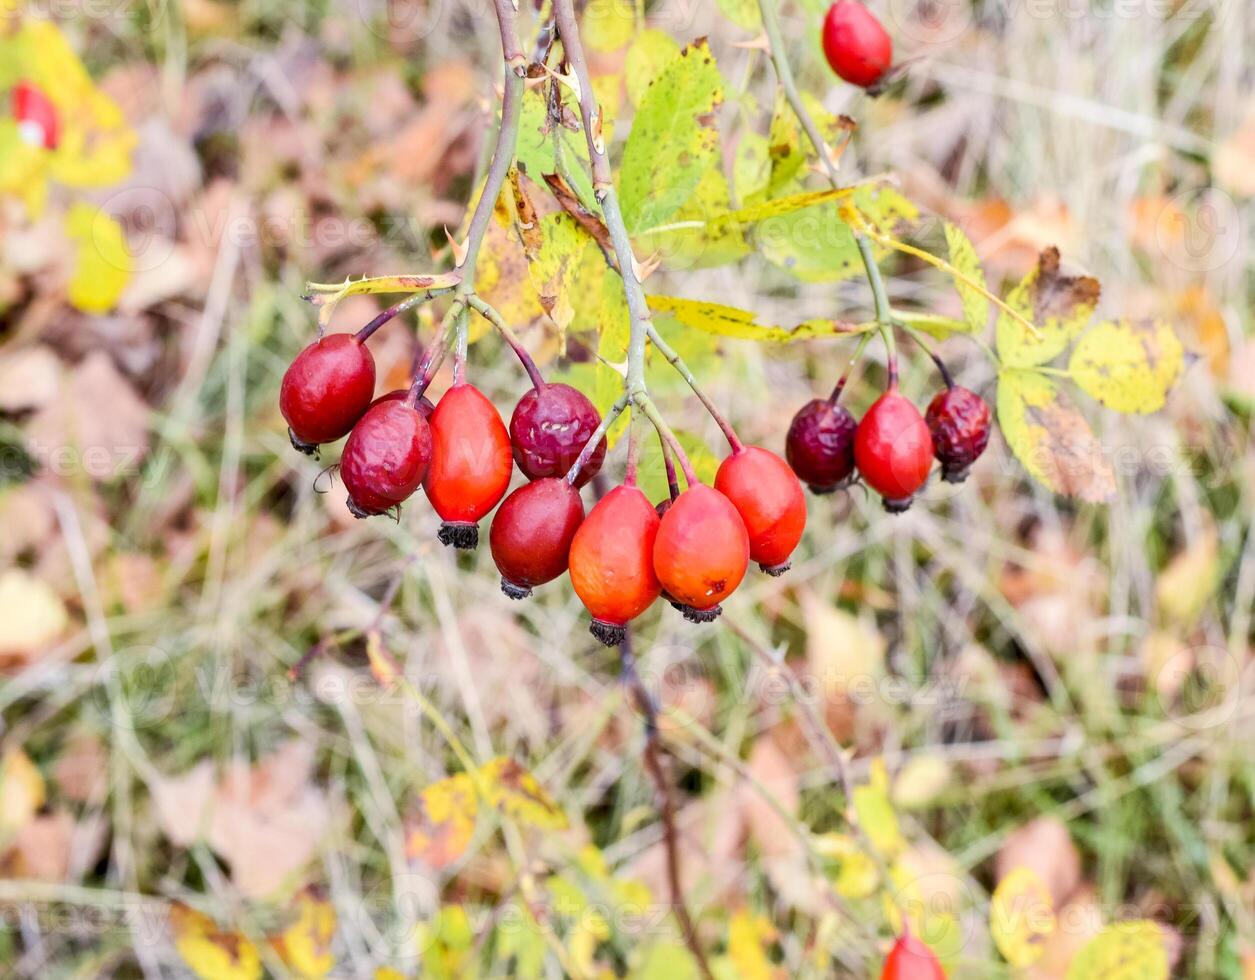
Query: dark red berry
[(386, 457), (820, 445), (959, 422), (612, 562), (470, 463), (701, 551), (549, 427), (893, 450), (35, 115), (531, 534), (326, 390), (858, 48), (770, 501), (911, 959), (400, 394)]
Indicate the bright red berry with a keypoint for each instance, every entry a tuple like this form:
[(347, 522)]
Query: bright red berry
[(531, 534), (858, 48), (911, 959), (35, 115), (959, 422), (470, 464), (386, 457), (893, 450), (326, 390), (549, 427), (769, 499), (612, 561), (820, 445), (701, 552)]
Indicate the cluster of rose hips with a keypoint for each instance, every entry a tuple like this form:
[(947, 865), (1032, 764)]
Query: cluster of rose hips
[(693, 548)]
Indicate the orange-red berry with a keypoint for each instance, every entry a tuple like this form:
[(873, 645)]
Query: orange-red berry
[(701, 552), (531, 534), (893, 450), (911, 959), (770, 501)]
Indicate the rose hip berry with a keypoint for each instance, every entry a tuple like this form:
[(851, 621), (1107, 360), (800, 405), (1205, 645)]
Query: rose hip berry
[(326, 390), (470, 465), (531, 534), (820, 445), (857, 47), (35, 115), (893, 450), (386, 457), (612, 562), (701, 552), (549, 427), (911, 959), (958, 420), (769, 500)]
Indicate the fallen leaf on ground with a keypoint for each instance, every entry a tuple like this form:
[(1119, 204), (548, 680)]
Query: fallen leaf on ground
[(1045, 847), (32, 617)]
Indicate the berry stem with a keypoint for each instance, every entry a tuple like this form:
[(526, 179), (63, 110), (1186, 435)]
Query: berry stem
[(590, 447), (668, 463), (391, 312), (677, 362), (927, 349), (634, 449), (435, 354), (863, 341), (510, 337), (460, 340), (646, 405)]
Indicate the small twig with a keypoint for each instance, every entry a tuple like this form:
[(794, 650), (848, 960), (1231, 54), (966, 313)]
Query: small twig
[(393, 311), (849, 369), (926, 347), (682, 369), (594, 440), (646, 405)]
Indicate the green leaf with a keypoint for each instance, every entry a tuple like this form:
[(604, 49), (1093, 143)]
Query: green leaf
[(651, 52), (1129, 366), (1051, 438), (674, 141), (790, 148), (1059, 305), (934, 324), (963, 257), (535, 153), (730, 321), (751, 166), (706, 244), (1133, 950)]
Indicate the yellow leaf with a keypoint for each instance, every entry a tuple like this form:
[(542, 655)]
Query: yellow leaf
[(31, 614), (651, 51), (1132, 950), (1188, 580), (857, 874), (516, 793), (875, 813), (747, 935), (22, 791), (729, 321), (305, 945), (388, 973), (382, 666), (102, 265), (964, 258), (934, 324), (1021, 917), (210, 953), (440, 830), (1051, 438), (1128, 366), (608, 24), (1058, 305), (921, 781), (553, 268)]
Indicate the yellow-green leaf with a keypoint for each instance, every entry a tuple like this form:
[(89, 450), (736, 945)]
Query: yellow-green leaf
[(729, 321), (674, 141), (209, 952), (1132, 950), (305, 945), (443, 823), (651, 51), (876, 814), (552, 272), (964, 258), (102, 264), (1051, 438), (1021, 917), (517, 793), (934, 324), (857, 874), (535, 150), (1058, 305), (1129, 366), (690, 240), (743, 13), (22, 791), (790, 148), (608, 24), (747, 935)]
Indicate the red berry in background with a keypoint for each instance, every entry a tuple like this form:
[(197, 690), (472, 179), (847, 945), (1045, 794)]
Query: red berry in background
[(958, 420), (911, 959), (820, 445), (386, 457), (701, 552), (770, 502), (400, 394), (856, 45), (893, 450), (470, 463), (531, 534), (612, 561), (35, 115), (326, 390), (549, 427)]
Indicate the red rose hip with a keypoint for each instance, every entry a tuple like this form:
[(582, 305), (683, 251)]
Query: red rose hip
[(820, 445), (531, 534), (549, 427), (386, 457), (769, 500), (470, 463), (857, 47), (612, 561), (326, 390), (958, 420), (701, 551), (893, 450), (911, 959), (35, 115)]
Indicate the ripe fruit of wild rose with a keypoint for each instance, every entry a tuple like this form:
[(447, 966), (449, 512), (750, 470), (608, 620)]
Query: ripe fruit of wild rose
[(37, 121), (701, 551), (612, 561), (326, 390), (531, 534), (770, 502), (893, 449), (470, 463), (386, 457), (820, 445), (911, 959), (857, 47), (549, 427), (958, 420)]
